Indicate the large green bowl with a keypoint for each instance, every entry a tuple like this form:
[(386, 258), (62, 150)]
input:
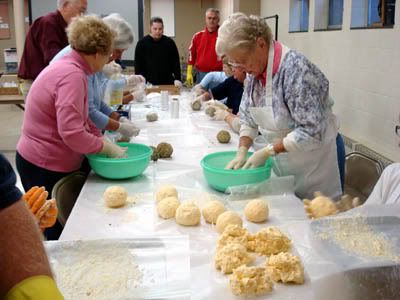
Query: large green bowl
[(120, 168), (220, 179)]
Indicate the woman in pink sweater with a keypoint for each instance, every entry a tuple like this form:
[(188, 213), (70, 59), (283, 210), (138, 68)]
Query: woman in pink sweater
[(57, 132)]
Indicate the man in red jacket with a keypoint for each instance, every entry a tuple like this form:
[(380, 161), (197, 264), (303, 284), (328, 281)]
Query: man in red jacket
[(202, 53), (45, 38)]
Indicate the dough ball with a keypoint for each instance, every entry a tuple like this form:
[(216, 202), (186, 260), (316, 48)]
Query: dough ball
[(154, 155), (210, 111), (115, 196), (269, 240), (320, 206), (195, 105), (226, 218), (187, 214), (256, 211), (211, 210), (166, 208), (250, 281), (151, 117), (164, 150), (233, 234), (285, 267), (223, 137), (166, 191), (232, 256)]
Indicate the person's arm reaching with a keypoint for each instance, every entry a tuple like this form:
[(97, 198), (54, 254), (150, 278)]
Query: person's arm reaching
[(191, 62), (71, 119), (25, 270)]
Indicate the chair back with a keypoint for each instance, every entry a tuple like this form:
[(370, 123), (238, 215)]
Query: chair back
[(362, 173), (66, 191)]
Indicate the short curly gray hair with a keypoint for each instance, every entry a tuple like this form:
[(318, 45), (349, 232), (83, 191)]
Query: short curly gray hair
[(241, 32), (124, 37)]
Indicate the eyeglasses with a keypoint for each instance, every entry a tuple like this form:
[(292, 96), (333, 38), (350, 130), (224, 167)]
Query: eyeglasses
[(235, 65), (397, 130)]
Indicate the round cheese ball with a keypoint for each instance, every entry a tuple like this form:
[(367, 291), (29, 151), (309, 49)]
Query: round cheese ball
[(223, 137), (210, 111), (115, 196), (226, 218), (166, 208), (164, 150), (187, 214), (166, 191), (211, 210), (256, 211), (196, 105), (151, 117)]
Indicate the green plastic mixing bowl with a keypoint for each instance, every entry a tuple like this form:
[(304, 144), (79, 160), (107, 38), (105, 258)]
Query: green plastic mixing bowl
[(220, 179), (120, 168)]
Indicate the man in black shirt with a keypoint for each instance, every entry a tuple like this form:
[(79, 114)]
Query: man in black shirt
[(157, 57)]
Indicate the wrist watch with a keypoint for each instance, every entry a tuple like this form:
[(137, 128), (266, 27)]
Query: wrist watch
[(270, 149)]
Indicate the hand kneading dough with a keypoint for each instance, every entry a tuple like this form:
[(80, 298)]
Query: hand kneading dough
[(256, 211), (115, 196), (232, 256), (320, 206), (285, 267), (250, 281), (166, 191), (226, 218), (269, 240), (211, 210), (166, 208), (187, 214)]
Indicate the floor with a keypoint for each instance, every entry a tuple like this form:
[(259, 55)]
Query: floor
[(10, 128)]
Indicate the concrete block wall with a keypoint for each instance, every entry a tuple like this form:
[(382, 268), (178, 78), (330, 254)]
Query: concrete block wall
[(363, 67)]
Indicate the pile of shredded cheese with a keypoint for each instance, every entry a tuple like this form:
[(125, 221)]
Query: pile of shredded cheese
[(108, 273), (357, 237)]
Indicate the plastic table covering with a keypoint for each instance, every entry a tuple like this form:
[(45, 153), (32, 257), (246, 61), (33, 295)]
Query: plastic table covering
[(192, 135)]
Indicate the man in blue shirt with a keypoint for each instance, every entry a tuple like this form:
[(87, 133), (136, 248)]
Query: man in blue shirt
[(231, 88)]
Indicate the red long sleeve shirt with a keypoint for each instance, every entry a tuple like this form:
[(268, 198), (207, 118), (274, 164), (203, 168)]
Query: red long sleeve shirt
[(202, 51), (45, 38)]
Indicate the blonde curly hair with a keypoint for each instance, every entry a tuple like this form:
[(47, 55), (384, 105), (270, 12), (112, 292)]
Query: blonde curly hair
[(241, 32), (90, 35)]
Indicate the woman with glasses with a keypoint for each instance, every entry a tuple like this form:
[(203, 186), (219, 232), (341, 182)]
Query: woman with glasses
[(56, 130), (102, 115), (287, 101)]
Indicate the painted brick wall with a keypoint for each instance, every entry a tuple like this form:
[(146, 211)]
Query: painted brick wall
[(363, 67)]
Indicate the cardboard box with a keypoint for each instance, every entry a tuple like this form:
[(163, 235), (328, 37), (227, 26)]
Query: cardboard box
[(173, 90), (9, 85)]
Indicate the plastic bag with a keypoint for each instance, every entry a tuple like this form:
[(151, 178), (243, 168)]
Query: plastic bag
[(272, 186), (114, 90)]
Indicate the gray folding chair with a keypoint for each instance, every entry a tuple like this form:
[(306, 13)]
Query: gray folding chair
[(362, 173), (66, 191)]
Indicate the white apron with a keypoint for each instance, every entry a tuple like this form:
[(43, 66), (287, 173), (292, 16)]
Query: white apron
[(315, 170)]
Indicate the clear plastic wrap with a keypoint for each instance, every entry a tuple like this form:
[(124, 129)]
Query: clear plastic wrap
[(138, 268), (272, 186), (337, 269)]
